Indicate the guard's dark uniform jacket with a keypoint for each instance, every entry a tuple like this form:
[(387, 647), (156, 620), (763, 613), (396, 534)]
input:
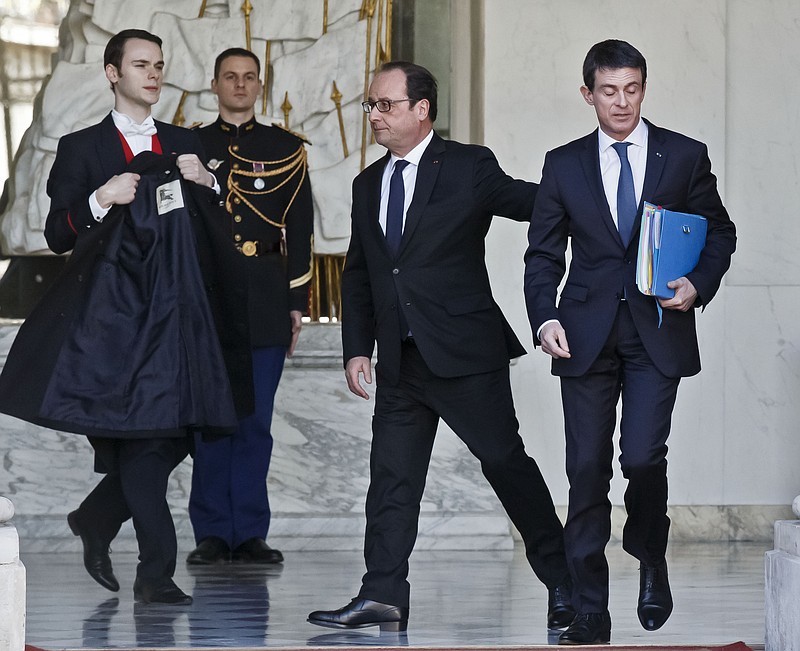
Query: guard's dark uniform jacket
[(125, 343), (263, 176)]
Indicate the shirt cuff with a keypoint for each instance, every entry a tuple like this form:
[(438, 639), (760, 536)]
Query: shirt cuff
[(98, 212), (541, 327)]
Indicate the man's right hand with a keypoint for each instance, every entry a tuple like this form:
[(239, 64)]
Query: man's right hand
[(554, 340), (355, 367), (119, 189)]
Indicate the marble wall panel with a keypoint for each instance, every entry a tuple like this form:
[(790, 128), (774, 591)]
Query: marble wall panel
[(762, 445), (762, 117)]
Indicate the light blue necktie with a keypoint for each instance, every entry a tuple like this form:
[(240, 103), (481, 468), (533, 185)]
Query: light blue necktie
[(394, 209), (626, 195)]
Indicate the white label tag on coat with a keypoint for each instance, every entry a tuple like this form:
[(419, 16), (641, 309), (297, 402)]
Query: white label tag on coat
[(169, 197)]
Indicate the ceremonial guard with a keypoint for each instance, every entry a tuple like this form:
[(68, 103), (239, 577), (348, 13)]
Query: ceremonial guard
[(267, 194)]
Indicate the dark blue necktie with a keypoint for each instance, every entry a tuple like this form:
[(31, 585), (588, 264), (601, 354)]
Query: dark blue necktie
[(394, 210), (626, 195)]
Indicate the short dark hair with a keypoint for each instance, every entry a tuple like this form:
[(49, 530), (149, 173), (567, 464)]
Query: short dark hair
[(235, 52), (612, 55), (420, 84), (115, 47)]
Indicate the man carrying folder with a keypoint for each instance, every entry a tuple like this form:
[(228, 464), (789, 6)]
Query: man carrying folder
[(604, 335)]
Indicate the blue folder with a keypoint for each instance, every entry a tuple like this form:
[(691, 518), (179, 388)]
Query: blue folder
[(669, 247)]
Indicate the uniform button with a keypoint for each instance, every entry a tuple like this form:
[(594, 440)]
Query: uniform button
[(395, 271), (236, 166), (237, 218), (235, 148), (237, 200), (237, 237), (408, 303)]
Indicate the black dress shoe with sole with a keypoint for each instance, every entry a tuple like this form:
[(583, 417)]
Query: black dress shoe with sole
[(360, 613), (161, 591), (95, 553), (560, 612), (210, 551), (256, 551), (588, 628), (655, 597)]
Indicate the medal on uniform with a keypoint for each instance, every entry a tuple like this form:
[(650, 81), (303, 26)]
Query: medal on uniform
[(258, 168)]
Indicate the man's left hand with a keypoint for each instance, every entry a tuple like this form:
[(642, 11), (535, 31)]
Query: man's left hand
[(685, 295), (193, 170), (297, 322)]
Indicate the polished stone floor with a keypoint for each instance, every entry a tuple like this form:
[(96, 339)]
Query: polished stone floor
[(458, 598)]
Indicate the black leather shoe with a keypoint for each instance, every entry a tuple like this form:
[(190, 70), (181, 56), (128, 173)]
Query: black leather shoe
[(210, 551), (161, 591), (256, 550), (560, 612), (95, 553), (588, 628), (655, 598), (360, 613)]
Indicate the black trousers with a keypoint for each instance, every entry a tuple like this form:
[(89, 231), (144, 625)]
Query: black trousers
[(590, 411), (135, 486), (480, 410)]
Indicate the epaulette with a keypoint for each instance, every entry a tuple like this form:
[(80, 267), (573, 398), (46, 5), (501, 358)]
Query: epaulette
[(296, 134)]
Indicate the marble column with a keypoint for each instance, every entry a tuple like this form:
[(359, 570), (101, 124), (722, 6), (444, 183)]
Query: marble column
[(782, 589), (12, 583)]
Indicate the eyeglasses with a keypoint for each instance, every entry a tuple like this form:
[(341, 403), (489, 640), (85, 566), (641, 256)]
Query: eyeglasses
[(383, 105)]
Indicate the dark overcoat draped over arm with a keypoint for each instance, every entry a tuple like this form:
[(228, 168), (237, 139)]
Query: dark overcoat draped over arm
[(125, 343)]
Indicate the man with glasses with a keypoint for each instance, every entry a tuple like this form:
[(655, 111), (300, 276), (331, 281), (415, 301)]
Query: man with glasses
[(416, 282)]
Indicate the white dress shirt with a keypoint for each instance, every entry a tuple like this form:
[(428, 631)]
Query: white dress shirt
[(409, 179), (139, 138), (610, 166)]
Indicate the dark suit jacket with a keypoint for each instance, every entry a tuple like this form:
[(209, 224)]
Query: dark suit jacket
[(85, 160), (571, 205), (439, 276)]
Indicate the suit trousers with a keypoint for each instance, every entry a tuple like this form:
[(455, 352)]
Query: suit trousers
[(229, 479), (480, 410), (590, 409), (135, 486)]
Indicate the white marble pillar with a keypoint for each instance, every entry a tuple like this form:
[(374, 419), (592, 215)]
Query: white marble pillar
[(782, 589), (12, 583)]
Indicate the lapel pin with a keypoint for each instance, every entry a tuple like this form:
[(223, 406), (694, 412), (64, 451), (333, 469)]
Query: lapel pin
[(658, 153)]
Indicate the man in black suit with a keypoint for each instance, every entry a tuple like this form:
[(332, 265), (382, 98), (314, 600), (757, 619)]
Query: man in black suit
[(416, 282), (270, 221), (605, 337), (88, 178)]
